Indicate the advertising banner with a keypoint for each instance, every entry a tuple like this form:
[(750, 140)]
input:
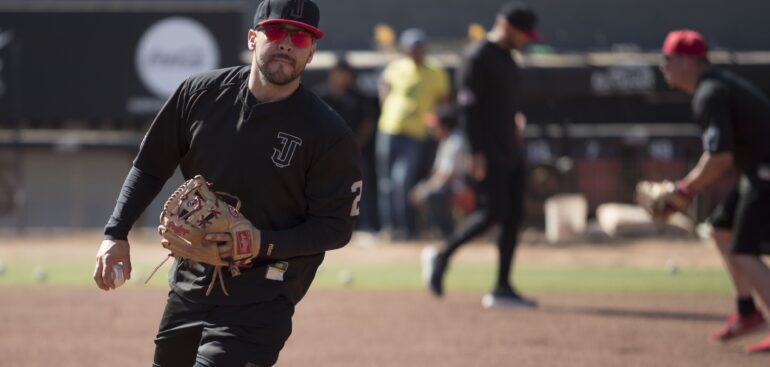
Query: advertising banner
[(108, 64)]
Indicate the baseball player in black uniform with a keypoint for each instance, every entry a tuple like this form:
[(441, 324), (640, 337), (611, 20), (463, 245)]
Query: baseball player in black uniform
[(735, 116), (488, 96), (255, 132)]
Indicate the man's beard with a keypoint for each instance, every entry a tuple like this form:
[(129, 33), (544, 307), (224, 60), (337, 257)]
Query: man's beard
[(277, 77)]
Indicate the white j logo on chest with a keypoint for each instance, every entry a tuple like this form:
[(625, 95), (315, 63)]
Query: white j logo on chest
[(288, 145)]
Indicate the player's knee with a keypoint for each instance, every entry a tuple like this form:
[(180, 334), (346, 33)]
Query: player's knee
[(722, 237), (744, 259)]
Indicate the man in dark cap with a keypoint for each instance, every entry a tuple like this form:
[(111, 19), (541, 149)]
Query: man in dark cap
[(488, 96), (257, 133), (735, 116)]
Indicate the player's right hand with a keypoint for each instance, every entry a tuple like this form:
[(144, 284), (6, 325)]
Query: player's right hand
[(418, 193), (110, 253)]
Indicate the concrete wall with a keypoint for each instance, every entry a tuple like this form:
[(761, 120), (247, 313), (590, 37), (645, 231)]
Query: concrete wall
[(73, 189)]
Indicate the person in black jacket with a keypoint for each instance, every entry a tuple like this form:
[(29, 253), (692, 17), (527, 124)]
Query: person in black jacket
[(488, 96), (257, 133), (735, 116), (342, 94)]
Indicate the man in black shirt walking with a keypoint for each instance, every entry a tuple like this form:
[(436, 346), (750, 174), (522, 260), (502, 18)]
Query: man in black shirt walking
[(256, 133), (735, 116), (488, 96)]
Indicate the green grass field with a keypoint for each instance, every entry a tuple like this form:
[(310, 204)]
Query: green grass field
[(406, 277)]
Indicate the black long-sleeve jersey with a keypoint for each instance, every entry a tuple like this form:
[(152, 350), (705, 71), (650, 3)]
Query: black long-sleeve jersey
[(488, 95), (293, 163), (735, 116)]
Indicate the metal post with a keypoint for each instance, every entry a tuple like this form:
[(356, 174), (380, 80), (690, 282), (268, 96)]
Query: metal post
[(17, 101)]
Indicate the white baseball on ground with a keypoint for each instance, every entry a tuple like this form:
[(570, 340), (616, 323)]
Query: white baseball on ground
[(672, 266), (40, 274), (117, 275), (345, 277)]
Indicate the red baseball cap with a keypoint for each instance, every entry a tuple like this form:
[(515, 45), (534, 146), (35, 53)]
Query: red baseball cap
[(685, 42)]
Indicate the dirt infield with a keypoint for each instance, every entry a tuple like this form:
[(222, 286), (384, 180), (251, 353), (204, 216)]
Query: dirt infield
[(364, 248), (67, 327), (81, 327)]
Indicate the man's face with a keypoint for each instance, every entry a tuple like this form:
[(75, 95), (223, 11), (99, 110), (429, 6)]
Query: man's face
[(281, 51), (441, 132), (675, 69), (417, 52), (515, 38), (341, 78)]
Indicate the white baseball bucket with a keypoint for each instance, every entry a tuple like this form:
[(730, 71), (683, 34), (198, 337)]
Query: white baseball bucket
[(565, 217)]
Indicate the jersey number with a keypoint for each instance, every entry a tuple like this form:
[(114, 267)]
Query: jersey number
[(357, 189)]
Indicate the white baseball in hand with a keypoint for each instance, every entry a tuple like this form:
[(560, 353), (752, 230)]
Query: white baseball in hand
[(117, 275)]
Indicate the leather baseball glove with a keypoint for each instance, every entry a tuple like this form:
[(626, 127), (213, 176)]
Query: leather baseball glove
[(192, 212), (661, 199)]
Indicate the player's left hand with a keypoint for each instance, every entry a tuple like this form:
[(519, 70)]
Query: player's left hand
[(224, 243), (662, 199)]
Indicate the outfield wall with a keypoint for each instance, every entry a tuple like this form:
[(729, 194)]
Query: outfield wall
[(71, 179)]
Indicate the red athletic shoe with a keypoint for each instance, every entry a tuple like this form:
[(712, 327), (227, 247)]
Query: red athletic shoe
[(736, 326), (760, 347)]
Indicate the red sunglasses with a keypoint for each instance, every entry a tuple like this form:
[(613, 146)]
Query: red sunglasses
[(276, 33)]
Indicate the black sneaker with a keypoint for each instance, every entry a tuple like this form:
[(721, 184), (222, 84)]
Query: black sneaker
[(506, 298)]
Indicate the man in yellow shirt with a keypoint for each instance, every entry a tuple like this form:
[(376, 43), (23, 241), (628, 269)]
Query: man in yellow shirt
[(410, 88)]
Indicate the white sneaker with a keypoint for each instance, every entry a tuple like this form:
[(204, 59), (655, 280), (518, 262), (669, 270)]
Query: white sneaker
[(494, 301), (428, 257)]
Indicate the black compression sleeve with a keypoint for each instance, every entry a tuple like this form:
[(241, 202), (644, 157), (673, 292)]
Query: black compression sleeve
[(137, 193), (472, 85)]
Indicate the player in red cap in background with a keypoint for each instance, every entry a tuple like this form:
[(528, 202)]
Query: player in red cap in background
[(735, 116)]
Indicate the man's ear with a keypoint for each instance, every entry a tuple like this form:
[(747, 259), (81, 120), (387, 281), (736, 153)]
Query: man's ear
[(520, 38), (252, 40), (314, 47)]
